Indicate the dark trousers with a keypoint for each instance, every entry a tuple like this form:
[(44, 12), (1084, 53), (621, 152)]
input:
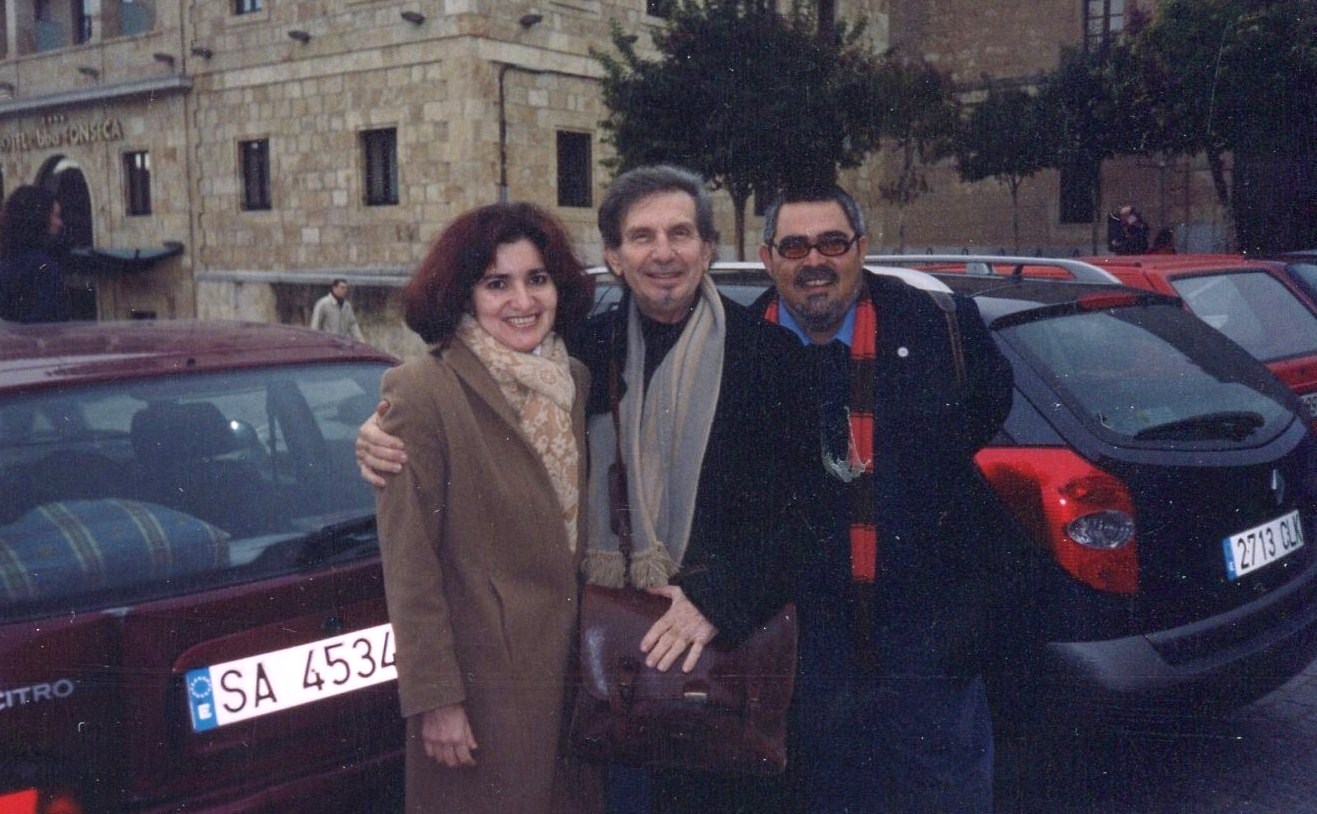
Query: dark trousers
[(639, 791), (906, 737)]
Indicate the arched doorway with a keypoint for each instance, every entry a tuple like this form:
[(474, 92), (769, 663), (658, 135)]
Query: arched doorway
[(62, 176)]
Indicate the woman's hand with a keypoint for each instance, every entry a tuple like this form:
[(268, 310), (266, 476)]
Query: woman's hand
[(682, 626), (379, 455), (447, 736)]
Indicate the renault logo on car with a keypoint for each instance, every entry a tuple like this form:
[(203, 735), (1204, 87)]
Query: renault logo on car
[(1278, 486)]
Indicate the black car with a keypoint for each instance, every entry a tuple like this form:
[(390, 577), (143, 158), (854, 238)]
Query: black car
[(1164, 478), (1162, 481)]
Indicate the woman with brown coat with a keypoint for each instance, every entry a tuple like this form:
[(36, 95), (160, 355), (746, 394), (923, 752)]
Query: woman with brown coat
[(480, 534)]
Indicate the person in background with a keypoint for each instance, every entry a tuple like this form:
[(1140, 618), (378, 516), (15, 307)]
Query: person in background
[(1127, 231), (333, 312), (1164, 242), (31, 280), (483, 532)]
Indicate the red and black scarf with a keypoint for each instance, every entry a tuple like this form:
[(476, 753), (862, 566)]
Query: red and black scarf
[(860, 401)]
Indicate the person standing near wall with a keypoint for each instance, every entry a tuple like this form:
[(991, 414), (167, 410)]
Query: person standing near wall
[(31, 280), (333, 313), (1127, 231)]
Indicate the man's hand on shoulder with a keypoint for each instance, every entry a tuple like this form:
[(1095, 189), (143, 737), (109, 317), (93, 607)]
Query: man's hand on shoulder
[(380, 456)]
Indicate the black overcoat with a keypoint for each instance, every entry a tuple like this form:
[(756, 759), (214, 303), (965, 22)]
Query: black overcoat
[(743, 537)]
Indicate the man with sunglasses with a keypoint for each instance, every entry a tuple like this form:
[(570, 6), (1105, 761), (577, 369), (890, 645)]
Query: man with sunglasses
[(891, 712)]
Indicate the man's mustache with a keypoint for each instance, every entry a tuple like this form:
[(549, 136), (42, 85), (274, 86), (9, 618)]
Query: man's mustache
[(814, 274)]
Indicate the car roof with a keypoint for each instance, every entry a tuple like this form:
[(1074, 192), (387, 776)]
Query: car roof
[(997, 294), (993, 265), (752, 272), (1176, 263), (997, 297), (53, 354)]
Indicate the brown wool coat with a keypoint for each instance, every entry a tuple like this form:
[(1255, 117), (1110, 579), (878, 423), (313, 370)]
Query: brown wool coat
[(481, 585)]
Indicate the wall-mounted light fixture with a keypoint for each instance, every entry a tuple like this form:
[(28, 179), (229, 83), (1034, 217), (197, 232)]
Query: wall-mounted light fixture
[(413, 17), (89, 72), (202, 51), (167, 59), (529, 20), (300, 36)]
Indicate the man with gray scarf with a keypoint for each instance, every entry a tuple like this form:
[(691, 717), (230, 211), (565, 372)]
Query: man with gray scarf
[(710, 435), (708, 416)]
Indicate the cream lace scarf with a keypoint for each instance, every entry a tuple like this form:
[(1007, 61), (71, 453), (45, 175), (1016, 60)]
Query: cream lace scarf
[(664, 434), (540, 389)]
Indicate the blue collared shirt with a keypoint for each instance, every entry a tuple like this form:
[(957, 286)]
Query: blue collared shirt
[(844, 334)]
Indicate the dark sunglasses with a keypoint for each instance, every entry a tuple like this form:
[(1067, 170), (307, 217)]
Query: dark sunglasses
[(798, 248)]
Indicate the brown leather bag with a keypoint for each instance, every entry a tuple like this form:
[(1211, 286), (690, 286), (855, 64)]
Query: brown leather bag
[(728, 715)]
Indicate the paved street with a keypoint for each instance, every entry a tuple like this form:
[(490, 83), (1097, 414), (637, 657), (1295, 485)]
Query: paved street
[(1260, 760)]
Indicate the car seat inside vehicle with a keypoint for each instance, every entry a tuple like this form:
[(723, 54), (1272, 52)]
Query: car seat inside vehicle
[(187, 459)]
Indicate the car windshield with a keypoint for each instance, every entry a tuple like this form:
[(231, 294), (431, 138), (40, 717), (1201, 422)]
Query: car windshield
[(742, 287), (1305, 276), (1151, 374), (122, 491), (1254, 309)]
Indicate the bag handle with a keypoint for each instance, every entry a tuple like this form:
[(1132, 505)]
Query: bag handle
[(619, 505)]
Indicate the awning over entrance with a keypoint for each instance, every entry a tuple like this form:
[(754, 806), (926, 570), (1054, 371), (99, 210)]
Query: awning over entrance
[(104, 260)]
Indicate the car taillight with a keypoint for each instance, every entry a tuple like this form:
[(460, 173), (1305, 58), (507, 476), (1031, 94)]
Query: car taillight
[(1103, 301), (46, 801), (1084, 514), (19, 802)]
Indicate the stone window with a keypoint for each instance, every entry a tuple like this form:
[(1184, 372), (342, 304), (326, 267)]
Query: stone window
[(52, 24), (81, 22), (574, 175), (135, 16), (254, 158), (1078, 185), (1103, 20), (247, 6), (137, 182), (379, 156)]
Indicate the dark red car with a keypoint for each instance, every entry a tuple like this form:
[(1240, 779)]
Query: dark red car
[(192, 603), (1301, 268)]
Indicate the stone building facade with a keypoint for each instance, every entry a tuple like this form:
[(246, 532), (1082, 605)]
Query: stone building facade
[(229, 159), (977, 43)]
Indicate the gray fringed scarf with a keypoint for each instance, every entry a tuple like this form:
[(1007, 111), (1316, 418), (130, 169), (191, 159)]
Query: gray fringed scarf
[(665, 429)]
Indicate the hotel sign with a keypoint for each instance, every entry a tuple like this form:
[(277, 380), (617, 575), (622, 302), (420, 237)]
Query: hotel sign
[(55, 132)]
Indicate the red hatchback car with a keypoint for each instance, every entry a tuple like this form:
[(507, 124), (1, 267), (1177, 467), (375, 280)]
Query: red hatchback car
[(191, 598), (1254, 302)]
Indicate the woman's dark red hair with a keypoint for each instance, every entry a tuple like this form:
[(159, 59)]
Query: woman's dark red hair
[(440, 291)]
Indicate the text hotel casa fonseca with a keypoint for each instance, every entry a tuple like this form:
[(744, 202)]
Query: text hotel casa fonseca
[(56, 131)]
